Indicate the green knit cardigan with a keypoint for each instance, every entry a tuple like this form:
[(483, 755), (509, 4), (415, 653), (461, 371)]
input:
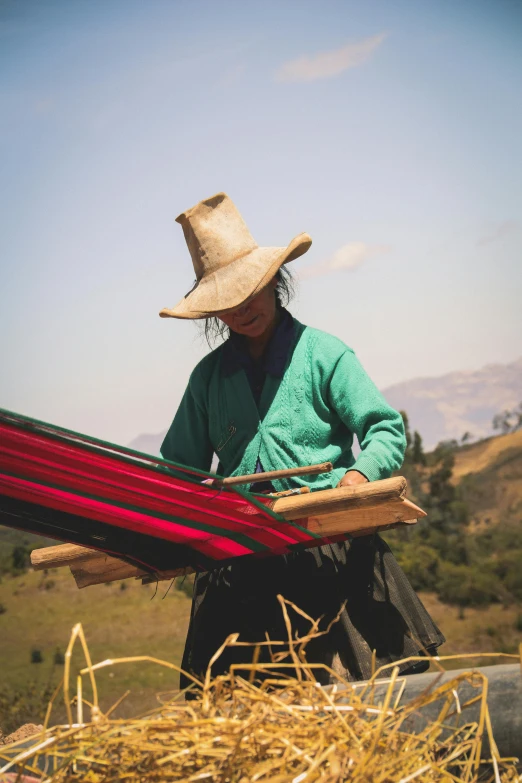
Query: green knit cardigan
[(308, 416)]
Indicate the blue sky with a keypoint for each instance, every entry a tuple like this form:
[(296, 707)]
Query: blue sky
[(391, 132)]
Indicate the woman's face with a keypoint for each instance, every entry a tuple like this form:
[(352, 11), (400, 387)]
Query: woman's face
[(256, 316)]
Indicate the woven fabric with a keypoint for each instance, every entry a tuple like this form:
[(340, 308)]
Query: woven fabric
[(77, 489)]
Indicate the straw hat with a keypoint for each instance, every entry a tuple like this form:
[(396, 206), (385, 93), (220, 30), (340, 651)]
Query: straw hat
[(230, 267)]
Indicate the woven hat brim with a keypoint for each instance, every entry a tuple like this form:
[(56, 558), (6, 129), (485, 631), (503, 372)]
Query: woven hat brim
[(232, 285)]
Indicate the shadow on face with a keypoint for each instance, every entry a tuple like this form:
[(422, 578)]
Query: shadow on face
[(255, 317)]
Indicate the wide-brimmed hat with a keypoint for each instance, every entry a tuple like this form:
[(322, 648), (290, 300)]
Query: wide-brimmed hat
[(230, 267)]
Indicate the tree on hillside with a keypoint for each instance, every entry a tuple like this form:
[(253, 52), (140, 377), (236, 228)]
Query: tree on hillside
[(406, 422), (439, 479), (414, 450), (439, 554), (417, 452), (508, 421), (20, 558), (502, 422)]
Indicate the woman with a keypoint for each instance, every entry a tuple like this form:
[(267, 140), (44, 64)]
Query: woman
[(278, 394)]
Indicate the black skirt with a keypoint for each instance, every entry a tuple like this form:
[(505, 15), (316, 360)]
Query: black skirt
[(382, 611)]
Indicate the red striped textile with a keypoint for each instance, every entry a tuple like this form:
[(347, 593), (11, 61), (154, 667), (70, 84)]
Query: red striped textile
[(151, 511)]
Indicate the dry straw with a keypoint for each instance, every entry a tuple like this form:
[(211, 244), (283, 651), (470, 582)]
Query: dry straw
[(271, 723)]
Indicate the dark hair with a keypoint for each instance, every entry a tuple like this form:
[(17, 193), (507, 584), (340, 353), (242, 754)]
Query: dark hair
[(214, 329)]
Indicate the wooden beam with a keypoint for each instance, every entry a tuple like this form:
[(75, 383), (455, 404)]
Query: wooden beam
[(328, 501), (101, 568), (363, 518), (61, 555), (251, 478), (98, 570)]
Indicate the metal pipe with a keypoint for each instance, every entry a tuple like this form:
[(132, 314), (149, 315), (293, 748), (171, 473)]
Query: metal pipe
[(504, 701)]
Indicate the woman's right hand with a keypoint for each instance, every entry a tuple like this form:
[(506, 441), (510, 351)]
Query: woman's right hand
[(352, 479)]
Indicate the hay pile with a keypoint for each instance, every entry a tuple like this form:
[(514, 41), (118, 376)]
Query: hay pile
[(259, 723)]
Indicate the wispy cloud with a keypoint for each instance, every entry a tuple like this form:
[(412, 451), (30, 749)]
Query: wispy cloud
[(347, 257), (327, 64), (499, 232)]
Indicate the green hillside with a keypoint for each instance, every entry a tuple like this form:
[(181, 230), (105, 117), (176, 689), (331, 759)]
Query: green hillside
[(489, 476), (469, 548), (38, 611)]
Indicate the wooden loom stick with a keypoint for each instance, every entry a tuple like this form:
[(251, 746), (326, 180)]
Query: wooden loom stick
[(308, 470), (326, 501), (364, 518), (61, 555), (102, 568), (97, 570)]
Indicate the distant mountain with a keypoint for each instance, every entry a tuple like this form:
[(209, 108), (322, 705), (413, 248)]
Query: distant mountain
[(440, 408), (446, 407)]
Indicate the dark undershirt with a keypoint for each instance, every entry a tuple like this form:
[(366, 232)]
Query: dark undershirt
[(272, 362)]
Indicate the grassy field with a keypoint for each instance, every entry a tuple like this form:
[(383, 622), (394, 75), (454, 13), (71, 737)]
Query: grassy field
[(479, 456), (492, 628), (40, 611)]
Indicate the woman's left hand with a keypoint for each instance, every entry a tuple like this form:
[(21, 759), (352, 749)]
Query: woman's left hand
[(352, 478)]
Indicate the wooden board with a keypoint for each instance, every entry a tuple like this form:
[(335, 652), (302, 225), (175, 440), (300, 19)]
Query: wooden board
[(61, 555), (97, 570), (369, 518), (329, 501)]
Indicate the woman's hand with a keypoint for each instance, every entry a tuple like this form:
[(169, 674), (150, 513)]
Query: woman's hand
[(352, 479)]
